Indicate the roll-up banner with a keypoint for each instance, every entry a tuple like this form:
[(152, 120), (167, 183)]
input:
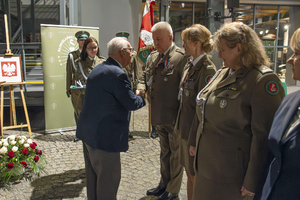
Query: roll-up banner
[(57, 42)]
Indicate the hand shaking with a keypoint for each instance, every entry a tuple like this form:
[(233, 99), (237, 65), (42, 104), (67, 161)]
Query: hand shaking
[(141, 93)]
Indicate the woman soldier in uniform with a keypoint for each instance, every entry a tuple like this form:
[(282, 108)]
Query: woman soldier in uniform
[(89, 58), (196, 74), (235, 111)]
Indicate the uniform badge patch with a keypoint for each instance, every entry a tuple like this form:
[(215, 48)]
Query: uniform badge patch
[(208, 78), (272, 87)]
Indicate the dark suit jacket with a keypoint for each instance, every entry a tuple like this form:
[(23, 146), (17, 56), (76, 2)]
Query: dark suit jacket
[(104, 119), (283, 180)]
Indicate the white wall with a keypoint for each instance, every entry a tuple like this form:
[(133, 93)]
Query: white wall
[(112, 16)]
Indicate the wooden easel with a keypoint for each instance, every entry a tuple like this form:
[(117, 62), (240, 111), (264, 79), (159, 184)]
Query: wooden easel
[(13, 119)]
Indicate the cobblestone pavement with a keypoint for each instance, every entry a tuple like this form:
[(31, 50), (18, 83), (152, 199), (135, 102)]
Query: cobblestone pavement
[(65, 166)]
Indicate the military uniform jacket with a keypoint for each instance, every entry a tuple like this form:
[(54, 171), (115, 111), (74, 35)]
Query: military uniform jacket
[(70, 68), (236, 115), (133, 71), (193, 80), (84, 68), (82, 74), (162, 76)]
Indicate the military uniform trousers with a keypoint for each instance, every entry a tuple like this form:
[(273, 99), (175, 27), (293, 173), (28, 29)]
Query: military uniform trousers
[(170, 167), (74, 99), (103, 173)]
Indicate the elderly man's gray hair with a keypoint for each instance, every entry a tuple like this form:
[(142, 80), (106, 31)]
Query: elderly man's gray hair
[(116, 44), (162, 26)]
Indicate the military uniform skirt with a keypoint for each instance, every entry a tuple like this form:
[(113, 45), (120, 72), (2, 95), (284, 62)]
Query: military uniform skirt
[(206, 189), (185, 159)]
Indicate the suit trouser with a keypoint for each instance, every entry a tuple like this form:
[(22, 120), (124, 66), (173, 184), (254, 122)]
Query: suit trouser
[(170, 167), (103, 173)]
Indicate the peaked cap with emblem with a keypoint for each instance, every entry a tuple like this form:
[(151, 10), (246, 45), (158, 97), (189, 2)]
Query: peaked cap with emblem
[(122, 34), (82, 35)]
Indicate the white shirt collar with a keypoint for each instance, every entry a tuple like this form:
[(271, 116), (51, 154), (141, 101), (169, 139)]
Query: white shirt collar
[(196, 60), (92, 58), (118, 63)]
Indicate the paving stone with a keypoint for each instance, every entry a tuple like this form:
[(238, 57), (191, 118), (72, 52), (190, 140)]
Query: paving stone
[(65, 166)]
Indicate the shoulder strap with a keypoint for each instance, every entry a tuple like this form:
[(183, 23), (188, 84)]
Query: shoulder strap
[(82, 72)]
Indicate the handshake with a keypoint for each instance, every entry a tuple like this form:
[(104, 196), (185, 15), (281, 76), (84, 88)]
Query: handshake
[(141, 93)]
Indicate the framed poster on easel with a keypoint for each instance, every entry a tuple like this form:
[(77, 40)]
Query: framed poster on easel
[(11, 69)]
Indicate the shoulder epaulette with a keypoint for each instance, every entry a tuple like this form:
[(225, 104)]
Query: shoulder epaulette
[(102, 57), (180, 50), (153, 52), (263, 69)]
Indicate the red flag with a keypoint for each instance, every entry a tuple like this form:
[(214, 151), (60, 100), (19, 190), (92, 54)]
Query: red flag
[(145, 39)]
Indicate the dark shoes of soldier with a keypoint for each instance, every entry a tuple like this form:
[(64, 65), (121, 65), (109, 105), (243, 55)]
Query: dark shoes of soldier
[(76, 139), (130, 136), (156, 191), (168, 196), (153, 134)]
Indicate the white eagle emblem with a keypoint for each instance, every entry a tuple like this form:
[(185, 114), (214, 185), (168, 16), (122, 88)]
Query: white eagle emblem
[(146, 36), (9, 69)]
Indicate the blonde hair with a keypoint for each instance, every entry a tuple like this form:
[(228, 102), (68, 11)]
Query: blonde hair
[(253, 52), (165, 26), (198, 32), (295, 41)]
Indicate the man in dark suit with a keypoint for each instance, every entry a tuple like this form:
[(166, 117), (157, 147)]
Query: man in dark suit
[(103, 123)]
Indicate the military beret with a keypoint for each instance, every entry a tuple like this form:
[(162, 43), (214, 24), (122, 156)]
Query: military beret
[(122, 34), (82, 35)]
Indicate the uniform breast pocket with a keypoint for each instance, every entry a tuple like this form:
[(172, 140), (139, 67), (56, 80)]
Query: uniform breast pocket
[(169, 72), (228, 99), (190, 88), (228, 94)]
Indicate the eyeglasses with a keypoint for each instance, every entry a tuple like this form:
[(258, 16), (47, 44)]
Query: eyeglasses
[(131, 49), (92, 48)]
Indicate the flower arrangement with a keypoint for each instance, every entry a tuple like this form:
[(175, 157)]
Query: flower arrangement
[(19, 156)]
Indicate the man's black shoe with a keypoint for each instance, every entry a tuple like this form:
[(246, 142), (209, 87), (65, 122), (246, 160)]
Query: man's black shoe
[(156, 191), (76, 139), (168, 196), (153, 134)]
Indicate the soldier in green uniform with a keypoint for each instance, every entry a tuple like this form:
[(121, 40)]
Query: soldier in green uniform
[(197, 73), (89, 58), (70, 68), (162, 75), (133, 70), (235, 111)]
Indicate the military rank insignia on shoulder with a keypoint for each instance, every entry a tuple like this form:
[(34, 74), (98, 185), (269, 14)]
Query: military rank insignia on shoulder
[(264, 69), (179, 50), (272, 87)]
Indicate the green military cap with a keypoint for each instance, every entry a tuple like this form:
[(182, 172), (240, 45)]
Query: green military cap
[(82, 35), (122, 34)]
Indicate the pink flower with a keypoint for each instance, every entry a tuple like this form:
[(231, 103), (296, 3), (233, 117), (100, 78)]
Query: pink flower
[(24, 151), (11, 154), (23, 163), (10, 165), (36, 158)]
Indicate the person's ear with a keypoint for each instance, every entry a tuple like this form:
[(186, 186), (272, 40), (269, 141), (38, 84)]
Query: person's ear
[(239, 47)]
